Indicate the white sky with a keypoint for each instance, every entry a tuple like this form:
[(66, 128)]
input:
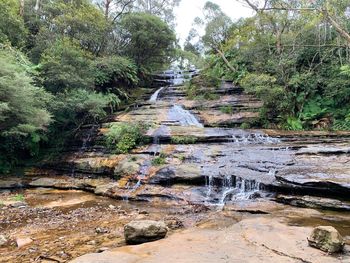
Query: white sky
[(189, 9)]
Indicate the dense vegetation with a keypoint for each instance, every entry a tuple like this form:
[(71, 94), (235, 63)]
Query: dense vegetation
[(294, 55), (64, 64)]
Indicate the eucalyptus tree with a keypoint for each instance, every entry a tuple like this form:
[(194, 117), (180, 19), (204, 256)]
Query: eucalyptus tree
[(161, 8), (217, 29)]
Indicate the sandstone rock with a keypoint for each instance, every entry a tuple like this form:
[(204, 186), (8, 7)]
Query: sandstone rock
[(314, 202), (326, 238), (21, 242), (3, 240), (137, 232)]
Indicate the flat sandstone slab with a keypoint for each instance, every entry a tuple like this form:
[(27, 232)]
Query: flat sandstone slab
[(260, 239)]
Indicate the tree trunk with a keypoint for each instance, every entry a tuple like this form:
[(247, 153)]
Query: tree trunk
[(21, 7), (225, 60), (37, 5), (343, 33)]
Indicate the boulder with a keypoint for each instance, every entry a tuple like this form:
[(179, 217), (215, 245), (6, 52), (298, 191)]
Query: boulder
[(327, 239), (137, 232)]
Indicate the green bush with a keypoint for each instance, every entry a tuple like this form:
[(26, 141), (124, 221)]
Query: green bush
[(226, 109), (159, 160), (115, 71), (123, 137), (293, 124)]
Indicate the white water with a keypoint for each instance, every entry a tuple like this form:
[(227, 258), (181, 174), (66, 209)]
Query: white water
[(233, 189), (155, 95), (183, 117), (255, 138), (142, 174)]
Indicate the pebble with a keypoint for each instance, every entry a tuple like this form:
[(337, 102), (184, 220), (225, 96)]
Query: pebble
[(21, 242), (91, 243), (101, 230)]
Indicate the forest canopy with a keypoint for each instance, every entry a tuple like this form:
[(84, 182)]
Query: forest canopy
[(65, 64), (294, 55)]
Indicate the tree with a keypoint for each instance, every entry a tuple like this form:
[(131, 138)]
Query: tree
[(24, 117), (150, 41), (12, 27), (161, 8), (216, 30), (66, 66), (22, 104)]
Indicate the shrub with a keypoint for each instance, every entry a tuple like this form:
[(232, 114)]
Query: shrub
[(123, 137), (159, 160), (226, 109), (115, 71)]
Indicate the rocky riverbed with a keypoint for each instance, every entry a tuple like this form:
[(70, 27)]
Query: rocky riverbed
[(225, 193)]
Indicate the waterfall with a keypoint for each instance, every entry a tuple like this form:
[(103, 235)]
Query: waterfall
[(183, 117), (155, 95), (84, 146), (209, 186), (144, 170), (232, 189)]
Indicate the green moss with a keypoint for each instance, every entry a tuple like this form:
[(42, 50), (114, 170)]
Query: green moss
[(18, 197), (184, 139)]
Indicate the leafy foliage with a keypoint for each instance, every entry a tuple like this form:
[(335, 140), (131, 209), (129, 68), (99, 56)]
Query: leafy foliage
[(12, 27), (115, 71), (159, 160), (66, 66), (123, 137), (150, 40)]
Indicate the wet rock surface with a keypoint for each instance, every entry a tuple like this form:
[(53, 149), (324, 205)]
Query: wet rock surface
[(215, 190)]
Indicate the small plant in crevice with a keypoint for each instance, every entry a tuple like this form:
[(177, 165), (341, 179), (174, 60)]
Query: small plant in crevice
[(159, 160), (227, 109), (181, 157), (123, 137), (18, 198), (245, 125)]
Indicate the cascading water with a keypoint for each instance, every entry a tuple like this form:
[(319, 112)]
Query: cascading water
[(232, 189), (183, 117), (84, 146), (155, 95), (144, 170), (209, 186), (255, 138)]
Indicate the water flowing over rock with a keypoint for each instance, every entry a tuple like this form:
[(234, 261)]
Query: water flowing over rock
[(183, 117), (198, 170), (326, 238), (154, 97), (137, 232)]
